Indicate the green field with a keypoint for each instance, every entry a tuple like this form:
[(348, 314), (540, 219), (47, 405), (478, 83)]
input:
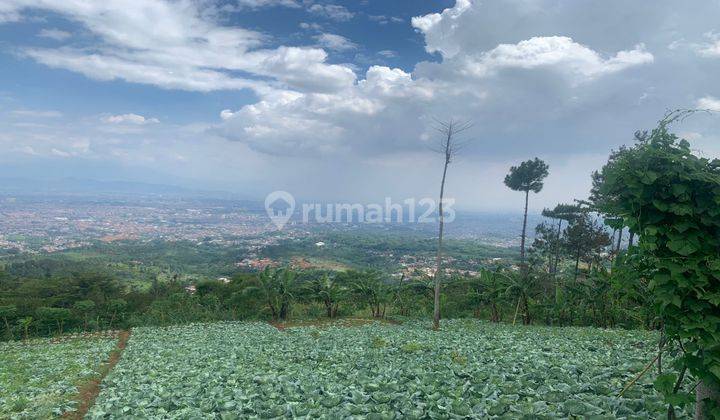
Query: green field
[(470, 369), (39, 379)]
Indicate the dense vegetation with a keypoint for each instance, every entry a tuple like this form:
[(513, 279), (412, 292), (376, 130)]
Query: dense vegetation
[(660, 190), (39, 379), (249, 370), (135, 264), (129, 284)]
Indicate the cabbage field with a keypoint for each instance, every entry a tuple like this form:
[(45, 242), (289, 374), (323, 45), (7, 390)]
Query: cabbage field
[(39, 379), (469, 369)]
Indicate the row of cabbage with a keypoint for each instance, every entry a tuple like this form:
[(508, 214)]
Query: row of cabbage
[(39, 379), (469, 369)]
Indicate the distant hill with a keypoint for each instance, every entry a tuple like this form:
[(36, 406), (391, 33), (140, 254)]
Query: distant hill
[(90, 186)]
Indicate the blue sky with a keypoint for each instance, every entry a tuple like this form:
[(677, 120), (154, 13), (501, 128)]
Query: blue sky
[(337, 100)]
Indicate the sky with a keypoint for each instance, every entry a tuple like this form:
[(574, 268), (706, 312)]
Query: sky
[(340, 100)]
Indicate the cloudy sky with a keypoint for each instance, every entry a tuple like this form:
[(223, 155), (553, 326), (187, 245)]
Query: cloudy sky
[(336, 100)]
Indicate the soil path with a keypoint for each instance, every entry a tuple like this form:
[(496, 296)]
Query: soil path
[(91, 389)]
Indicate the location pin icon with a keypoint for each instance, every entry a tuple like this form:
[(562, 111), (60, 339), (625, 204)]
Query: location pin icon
[(280, 206)]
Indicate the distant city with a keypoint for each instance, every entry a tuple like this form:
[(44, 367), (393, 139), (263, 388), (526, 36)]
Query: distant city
[(32, 224)]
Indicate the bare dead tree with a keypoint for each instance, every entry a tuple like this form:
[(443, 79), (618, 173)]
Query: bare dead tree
[(449, 147)]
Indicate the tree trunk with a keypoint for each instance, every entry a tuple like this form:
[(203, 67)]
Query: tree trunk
[(284, 310), (557, 249), (7, 327), (526, 311), (522, 238), (273, 312), (438, 259), (630, 240), (495, 316), (704, 391), (577, 264), (619, 241), (328, 308), (551, 258)]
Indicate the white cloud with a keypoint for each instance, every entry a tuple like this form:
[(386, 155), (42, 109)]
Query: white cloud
[(388, 53), (256, 4), (55, 34), (452, 33), (130, 119), (708, 102), (554, 51), (334, 42), (306, 105), (175, 45), (310, 26), (395, 83), (9, 12), (439, 28), (384, 20), (288, 123), (28, 150), (711, 48), (331, 11), (60, 153), (393, 110), (108, 67), (381, 19)]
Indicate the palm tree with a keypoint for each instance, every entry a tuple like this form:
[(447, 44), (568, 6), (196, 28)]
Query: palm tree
[(329, 291), (369, 288), (526, 177), (277, 287)]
